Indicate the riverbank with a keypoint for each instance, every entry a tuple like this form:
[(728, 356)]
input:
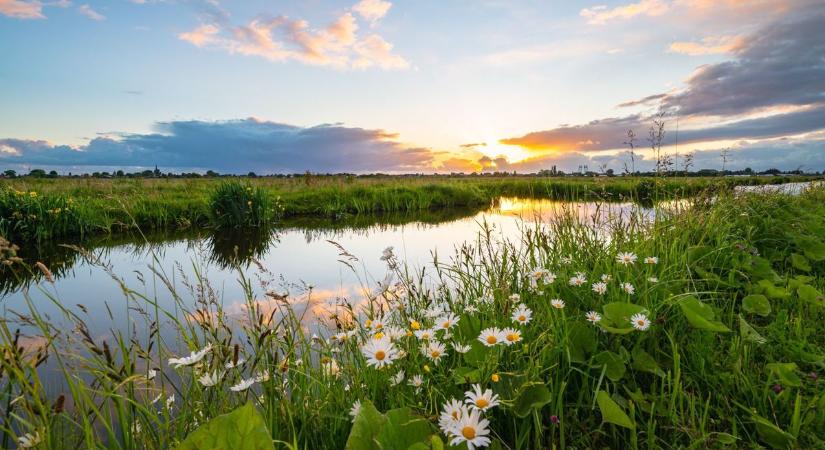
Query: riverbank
[(699, 329), (37, 210)]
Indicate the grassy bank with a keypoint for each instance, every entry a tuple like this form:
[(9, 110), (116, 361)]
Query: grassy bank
[(35, 210), (718, 342)]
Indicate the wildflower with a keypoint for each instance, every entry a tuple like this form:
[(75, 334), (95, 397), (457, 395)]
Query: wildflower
[(579, 280), (387, 254), (262, 377), (471, 309), (653, 280), (640, 321), (554, 419), (511, 336), (777, 388), (151, 374), (557, 303), (425, 334), (210, 379), (461, 348), (486, 300), (416, 381), (446, 322), (193, 358), (472, 429), (481, 400), (606, 278), (495, 378), (566, 260), (233, 364), (170, 401), (355, 410), (379, 353), (29, 440), (626, 258), (515, 298), (522, 315), (627, 287), (415, 325), (651, 260), (329, 367), (377, 323), (395, 333), (490, 336), (243, 385), (593, 317), (398, 378), (600, 288), (450, 415), (426, 368), (157, 399), (434, 350)]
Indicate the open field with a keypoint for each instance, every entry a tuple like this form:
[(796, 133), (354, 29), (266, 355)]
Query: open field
[(707, 332), (33, 210)]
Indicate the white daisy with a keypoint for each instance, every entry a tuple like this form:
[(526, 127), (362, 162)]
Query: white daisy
[(379, 352), (355, 410), (522, 315), (446, 322), (653, 280), (329, 367), (557, 303), (579, 280), (606, 278), (566, 260), (434, 350), (450, 415), (511, 336), (233, 364), (481, 400), (627, 287), (210, 379), (243, 385), (262, 377), (640, 321), (593, 317), (416, 381), (398, 378), (193, 357), (152, 374), (515, 298), (425, 334), (461, 348), (490, 336), (29, 440), (600, 287), (472, 429), (170, 401), (651, 260), (626, 258)]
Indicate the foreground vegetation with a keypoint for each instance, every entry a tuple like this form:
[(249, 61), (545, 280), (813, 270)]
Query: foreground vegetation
[(703, 329), (36, 210)]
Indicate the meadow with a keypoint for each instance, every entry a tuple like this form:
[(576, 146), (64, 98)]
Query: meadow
[(701, 329), (36, 210)]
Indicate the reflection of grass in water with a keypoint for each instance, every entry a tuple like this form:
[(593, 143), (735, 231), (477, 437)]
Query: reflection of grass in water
[(729, 355)]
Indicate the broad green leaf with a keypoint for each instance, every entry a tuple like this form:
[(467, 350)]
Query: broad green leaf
[(532, 396), (616, 317), (368, 424), (761, 269), (701, 315), (242, 429), (748, 333), (403, 430), (811, 295), (769, 289), (812, 248), (771, 434), (800, 262), (477, 355), (756, 304), (785, 373), (465, 375), (612, 412), (614, 364), (644, 362), (582, 341)]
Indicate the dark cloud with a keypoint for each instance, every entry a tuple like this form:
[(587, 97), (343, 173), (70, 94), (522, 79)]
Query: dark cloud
[(232, 146)]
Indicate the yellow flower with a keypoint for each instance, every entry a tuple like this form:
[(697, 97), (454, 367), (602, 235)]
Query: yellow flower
[(379, 335), (495, 378), (426, 368), (415, 325), (32, 194)]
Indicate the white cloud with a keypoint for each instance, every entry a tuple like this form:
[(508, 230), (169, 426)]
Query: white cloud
[(372, 10), (89, 12), (20, 9), (599, 15)]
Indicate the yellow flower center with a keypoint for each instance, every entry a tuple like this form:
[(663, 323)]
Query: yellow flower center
[(368, 323), (468, 432), (455, 415), (491, 339), (380, 355), (435, 354), (512, 337), (640, 322), (522, 318), (482, 402), (379, 335)]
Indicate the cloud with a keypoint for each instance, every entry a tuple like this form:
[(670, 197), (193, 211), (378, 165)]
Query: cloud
[(236, 146), (372, 10), (20, 9), (708, 46), (87, 11), (281, 39), (600, 15)]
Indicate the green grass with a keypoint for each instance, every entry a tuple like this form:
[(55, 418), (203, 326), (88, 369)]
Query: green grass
[(93, 206), (733, 358)]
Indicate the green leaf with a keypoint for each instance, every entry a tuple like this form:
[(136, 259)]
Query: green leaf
[(582, 341), (613, 363), (532, 396), (771, 434), (477, 355), (772, 291), (800, 262), (756, 304), (612, 412), (810, 294), (465, 375), (812, 248), (785, 373), (748, 333), (700, 315), (241, 429), (644, 362), (368, 424), (403, 430), (616, 317)]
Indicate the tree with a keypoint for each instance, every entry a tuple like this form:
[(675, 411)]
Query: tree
[(37, 173), (10, 173)]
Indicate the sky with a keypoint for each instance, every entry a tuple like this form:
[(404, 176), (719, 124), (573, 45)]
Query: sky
[(406, 86)]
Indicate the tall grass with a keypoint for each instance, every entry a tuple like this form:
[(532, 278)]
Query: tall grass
[(731, 358)]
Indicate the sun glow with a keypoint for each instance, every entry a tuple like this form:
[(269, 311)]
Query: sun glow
[(513, 153)]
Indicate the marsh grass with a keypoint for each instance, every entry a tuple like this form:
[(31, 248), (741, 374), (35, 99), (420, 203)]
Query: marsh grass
[(712, 371)]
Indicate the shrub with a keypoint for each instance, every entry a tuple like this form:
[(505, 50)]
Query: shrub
[(238, 205)]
